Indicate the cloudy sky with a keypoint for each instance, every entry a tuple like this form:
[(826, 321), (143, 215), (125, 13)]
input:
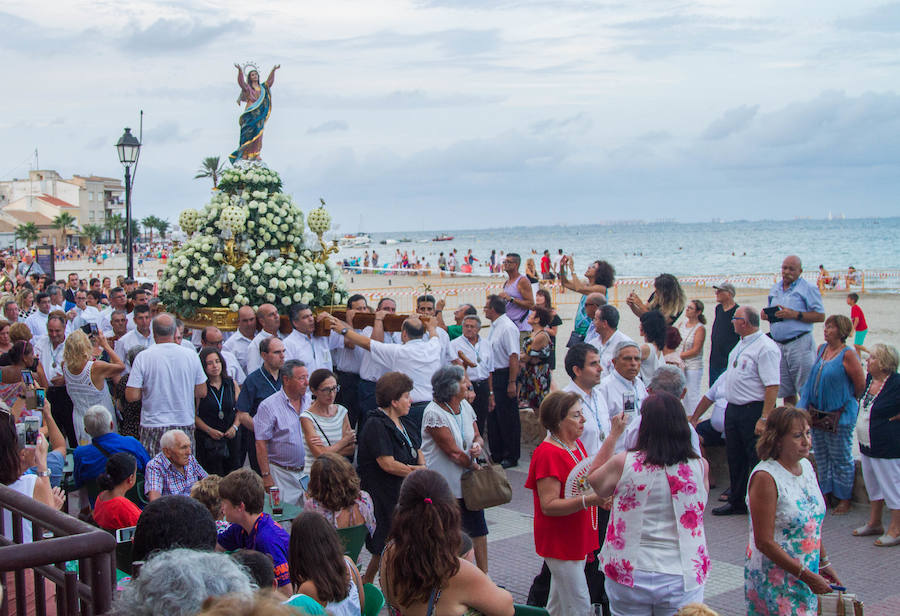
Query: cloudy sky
[(433, 114)]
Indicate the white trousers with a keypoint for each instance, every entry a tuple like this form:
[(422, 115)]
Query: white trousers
[(653, 594), (569, 594), (692, 382), (882, 477), (288, 483)]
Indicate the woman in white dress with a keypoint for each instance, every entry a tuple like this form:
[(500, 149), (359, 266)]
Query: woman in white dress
[(693, 337), (86, 377), (653, 329)]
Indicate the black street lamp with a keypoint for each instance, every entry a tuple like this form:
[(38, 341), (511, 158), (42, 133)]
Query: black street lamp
[(129, 149)]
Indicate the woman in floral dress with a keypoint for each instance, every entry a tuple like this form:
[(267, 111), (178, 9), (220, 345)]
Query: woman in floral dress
[(534, 378), (786, 563), (654, 556)]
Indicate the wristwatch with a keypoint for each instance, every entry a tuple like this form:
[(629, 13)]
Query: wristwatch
[(266, 474), (799, 316), (45, 473), (344, 331)]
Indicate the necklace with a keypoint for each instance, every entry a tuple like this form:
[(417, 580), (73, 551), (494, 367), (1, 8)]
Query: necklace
[(218, 398), (594, 515), (746, 346), (268, 380)]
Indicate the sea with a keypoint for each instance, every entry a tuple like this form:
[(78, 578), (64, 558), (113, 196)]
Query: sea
[(683, 249)]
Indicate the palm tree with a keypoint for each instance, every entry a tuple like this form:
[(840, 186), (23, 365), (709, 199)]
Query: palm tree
[(28, 233), (94, 233), (210, 168), (63, 222), (163, 227), (150, 223), (116, 224)]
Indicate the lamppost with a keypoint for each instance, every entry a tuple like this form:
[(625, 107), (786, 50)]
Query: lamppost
[(129, 149)]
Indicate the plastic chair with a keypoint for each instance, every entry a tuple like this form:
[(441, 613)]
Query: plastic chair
[(374, 600), (529, 610), (353, 538)]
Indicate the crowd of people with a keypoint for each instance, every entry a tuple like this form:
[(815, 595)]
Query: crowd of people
[(193, 437)]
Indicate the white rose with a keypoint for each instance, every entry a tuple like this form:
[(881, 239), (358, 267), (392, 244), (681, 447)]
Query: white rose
[(260, 290), (281, 285), (211, 291), (286, 301), (185, 295), (203, 301), (225, 301), (298, 297), (273, 283), (338, 298), (194, 295), (270, 297), (234, 307), (307, 297), (322, 285)]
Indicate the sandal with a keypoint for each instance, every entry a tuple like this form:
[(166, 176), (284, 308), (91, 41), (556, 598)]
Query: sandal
[(886, 541), (865, 531)]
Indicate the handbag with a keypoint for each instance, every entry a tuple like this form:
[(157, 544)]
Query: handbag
[(826, 421), (574, 338), (485, 487), (839, 603)]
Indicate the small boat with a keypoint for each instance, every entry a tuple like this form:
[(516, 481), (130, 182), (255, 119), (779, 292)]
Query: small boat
[(442, 238), (389, 241), (405, 240), (355, 239)]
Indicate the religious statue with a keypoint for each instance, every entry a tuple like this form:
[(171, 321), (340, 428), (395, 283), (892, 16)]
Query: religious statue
[(258, 97)]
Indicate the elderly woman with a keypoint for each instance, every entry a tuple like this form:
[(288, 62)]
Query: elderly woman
[(334, 493), (451, 444), (178, 582), (422, 572), (86, 377), (563, 531), (830, 395), (387, 453), (654, 557), (786, 558), (878, 431), (668, 297)]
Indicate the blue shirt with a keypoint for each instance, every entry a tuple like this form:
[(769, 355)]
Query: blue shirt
[(90, 462), (257, 387), (266, 537), (55, 463), (802, 295)]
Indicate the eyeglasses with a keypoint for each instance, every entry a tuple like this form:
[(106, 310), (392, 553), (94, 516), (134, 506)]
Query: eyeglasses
[(738, 319), (330, 390)]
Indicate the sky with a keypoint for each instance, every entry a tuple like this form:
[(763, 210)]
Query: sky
[(449, 114)]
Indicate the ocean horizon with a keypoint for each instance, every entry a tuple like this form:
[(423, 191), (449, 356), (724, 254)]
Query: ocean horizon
[(680, 248)]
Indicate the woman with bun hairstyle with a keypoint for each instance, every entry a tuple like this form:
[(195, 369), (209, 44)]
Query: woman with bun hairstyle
[(112, 510)]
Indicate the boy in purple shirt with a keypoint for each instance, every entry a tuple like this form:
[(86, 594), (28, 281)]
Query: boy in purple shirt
[(242, 495)]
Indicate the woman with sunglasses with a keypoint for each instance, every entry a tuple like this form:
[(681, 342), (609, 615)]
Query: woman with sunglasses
[(326, 427)]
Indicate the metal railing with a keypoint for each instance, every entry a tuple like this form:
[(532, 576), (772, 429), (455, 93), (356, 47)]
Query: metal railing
[(57, 538)]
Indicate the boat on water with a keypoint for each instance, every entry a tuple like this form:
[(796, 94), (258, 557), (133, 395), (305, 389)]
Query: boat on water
[(389, 242), (442, 238), (352, 240)]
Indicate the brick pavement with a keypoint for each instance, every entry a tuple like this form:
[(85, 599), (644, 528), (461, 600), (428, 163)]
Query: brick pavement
[(862, 567)]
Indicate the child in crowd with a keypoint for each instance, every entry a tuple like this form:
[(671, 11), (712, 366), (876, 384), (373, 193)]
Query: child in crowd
[(860, 327)]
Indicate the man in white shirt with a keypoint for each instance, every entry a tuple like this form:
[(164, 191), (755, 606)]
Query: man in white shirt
[(211, 337), (303, 343), (667, 379), (750, 383), (49, 349), (474, 353), (623, 391), (592, 305), (504, 429), (348, 358), (416, 358), (139, 336), (425, 306), (239, 342), (57, 301), (86, 311), (583, 367), (606, 322), (37, 322), (167, 378), (370, 370), (117, 301), (269, 322)]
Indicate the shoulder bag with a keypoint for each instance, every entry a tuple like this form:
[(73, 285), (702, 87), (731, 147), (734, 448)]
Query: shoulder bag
[(826, 421), (485, 487)]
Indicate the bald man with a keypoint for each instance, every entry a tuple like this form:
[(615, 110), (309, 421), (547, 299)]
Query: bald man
[(269, 321), (591, 303), (794, 305)]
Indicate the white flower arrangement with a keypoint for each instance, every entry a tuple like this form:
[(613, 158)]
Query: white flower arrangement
[(263, 220)]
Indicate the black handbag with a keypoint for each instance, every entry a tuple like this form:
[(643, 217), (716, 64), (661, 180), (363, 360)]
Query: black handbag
[(826, 421)]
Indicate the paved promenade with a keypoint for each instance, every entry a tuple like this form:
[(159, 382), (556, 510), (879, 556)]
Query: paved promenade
[(865, 569)]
